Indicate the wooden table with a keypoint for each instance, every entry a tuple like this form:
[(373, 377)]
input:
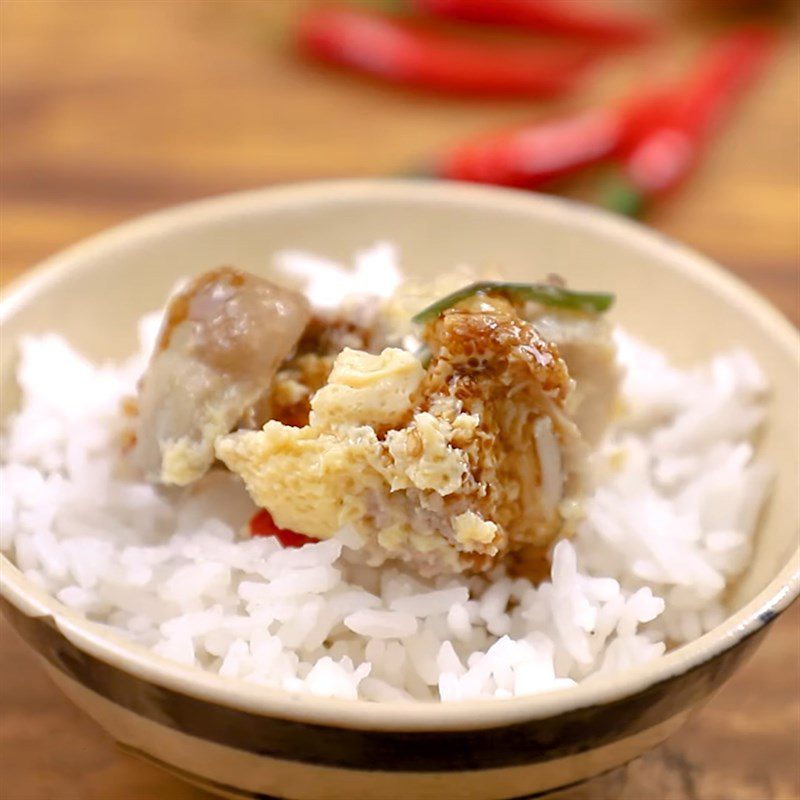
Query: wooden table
[(111, 109)]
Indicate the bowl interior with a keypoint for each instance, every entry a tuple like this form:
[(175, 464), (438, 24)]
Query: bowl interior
[(665, 294)]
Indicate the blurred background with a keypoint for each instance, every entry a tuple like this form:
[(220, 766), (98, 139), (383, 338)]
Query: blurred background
[(112, 108)]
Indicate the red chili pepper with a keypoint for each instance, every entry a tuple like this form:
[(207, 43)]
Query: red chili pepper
[(659, 160), (529, 156), (551, 16), (394, 51), (657, 135), (262, 524)]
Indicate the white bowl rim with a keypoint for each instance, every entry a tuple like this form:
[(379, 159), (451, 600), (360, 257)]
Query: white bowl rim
[(137, 660)]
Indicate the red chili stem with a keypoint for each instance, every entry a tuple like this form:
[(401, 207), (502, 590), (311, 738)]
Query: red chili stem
[(623, 197), (397, 52), (547, 16)]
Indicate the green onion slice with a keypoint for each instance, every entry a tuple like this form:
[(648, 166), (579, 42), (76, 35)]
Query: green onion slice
[(544, 293)]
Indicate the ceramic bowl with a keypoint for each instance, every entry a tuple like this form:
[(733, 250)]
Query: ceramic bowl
[(245, 741)]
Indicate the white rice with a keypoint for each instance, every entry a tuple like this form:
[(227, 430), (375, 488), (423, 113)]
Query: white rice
[(667, 529)]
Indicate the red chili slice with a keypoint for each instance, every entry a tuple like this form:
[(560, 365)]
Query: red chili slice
[(262, 524)]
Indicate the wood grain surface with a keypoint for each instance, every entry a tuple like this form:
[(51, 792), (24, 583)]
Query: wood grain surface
[(110, 109)]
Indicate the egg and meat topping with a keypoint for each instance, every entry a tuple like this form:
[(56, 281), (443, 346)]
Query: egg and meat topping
[(308, 368), (447, 466)]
